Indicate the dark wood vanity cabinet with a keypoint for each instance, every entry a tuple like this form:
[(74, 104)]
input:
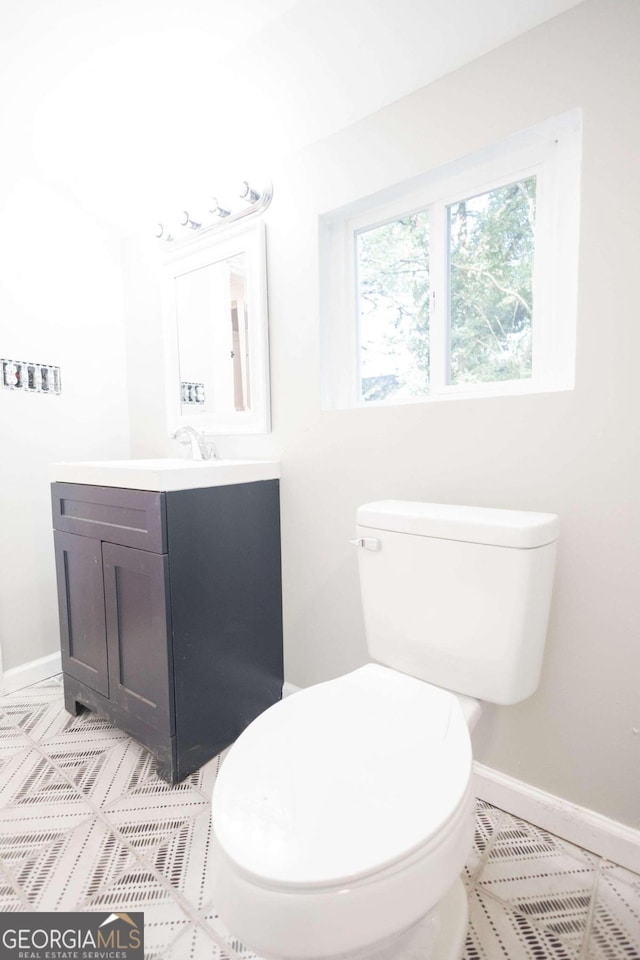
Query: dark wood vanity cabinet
[(171, 612)]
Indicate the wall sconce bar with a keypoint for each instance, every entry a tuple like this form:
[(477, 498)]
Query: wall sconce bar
[(258, 201), (186, 221)]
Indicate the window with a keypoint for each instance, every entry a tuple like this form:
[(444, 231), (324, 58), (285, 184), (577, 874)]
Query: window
[(392, 263), (461, 285)]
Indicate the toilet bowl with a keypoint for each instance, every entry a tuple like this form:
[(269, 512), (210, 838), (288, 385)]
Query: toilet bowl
[(343, 817)]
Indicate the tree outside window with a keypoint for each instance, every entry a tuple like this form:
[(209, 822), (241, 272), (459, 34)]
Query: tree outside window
[(489, 246)]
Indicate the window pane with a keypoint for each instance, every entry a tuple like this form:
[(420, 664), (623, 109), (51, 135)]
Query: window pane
[(491, 247), (393, 309)]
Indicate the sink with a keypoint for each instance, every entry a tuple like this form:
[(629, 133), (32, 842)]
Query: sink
[(170, 473)]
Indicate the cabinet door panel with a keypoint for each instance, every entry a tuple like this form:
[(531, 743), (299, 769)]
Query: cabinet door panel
[(81, 606), (139, 634)]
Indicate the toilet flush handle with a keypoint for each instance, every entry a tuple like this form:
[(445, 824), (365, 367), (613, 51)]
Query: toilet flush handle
[(369, 543)]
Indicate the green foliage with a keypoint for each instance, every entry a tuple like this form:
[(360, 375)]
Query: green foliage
[(491, 257), (393, 278), (491, 247)]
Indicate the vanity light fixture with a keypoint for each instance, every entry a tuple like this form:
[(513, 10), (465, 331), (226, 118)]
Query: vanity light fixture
[(218, 210), (256, 200), (247, 192), (162, 234), (186, 221)]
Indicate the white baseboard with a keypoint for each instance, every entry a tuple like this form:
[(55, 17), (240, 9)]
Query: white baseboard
[(31, 672), (579, 825)]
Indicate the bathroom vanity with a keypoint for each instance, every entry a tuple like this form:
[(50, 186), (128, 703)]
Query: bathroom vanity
[(169, 589)]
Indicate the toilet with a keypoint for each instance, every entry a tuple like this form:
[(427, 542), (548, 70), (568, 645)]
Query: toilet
[(344, 814)]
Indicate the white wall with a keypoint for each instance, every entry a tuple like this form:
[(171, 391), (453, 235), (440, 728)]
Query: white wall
[(60, 303), (573, 453)]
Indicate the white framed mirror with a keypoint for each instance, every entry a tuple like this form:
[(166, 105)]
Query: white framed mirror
[(216, 333)]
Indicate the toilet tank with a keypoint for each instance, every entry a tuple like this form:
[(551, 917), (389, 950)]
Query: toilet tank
[(458, 596)]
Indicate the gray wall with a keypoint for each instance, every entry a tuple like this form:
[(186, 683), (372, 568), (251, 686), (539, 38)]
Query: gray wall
[(574, 453)]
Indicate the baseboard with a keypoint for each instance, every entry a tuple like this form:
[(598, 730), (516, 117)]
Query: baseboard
[(579, 825), (31, 672)]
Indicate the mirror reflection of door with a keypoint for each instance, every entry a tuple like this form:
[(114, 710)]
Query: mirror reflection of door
[(240, 333), (213, 337)]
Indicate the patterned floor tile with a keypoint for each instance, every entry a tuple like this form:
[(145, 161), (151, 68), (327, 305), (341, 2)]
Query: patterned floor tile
[(32, 785), (26, 839), (160, 934), (12, 739), (195, 883), (75, 867), (103, 775), (498, 933), (85, 823), (49, 689), (66, 730), (36, 717), (212, 918), (137, 887), (183, 856), (165, 920), (194, 782), (488, 821), (150, 838), (11, 899), (196, 944), (154, 797), (615, 874), (547, 880), (615, 930), (205, 778)]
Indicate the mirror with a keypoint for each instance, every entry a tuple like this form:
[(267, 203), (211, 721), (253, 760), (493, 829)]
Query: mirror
[(217, 334)]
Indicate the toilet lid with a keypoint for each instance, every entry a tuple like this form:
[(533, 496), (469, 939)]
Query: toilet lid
[(343, 779)]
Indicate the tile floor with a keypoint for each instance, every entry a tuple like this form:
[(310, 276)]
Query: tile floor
[(85, 824)]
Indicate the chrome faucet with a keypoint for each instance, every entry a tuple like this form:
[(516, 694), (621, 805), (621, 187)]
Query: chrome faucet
[(199, 448)]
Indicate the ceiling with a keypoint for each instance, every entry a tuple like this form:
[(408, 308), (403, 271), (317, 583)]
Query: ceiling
[(133, 106)]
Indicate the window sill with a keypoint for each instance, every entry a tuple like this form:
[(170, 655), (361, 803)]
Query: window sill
[(489, 392)]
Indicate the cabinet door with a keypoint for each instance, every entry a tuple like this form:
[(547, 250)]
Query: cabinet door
[(136, 591), (81, 606)]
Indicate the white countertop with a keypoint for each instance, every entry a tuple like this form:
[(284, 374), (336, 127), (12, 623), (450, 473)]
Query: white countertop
[(164, 473)]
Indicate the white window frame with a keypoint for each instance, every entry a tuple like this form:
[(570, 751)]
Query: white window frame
[(551, 151)]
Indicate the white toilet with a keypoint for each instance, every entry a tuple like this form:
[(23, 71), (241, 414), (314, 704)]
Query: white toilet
[(344, 814)]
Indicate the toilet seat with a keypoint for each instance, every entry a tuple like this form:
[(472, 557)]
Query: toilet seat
[(343, 781)]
